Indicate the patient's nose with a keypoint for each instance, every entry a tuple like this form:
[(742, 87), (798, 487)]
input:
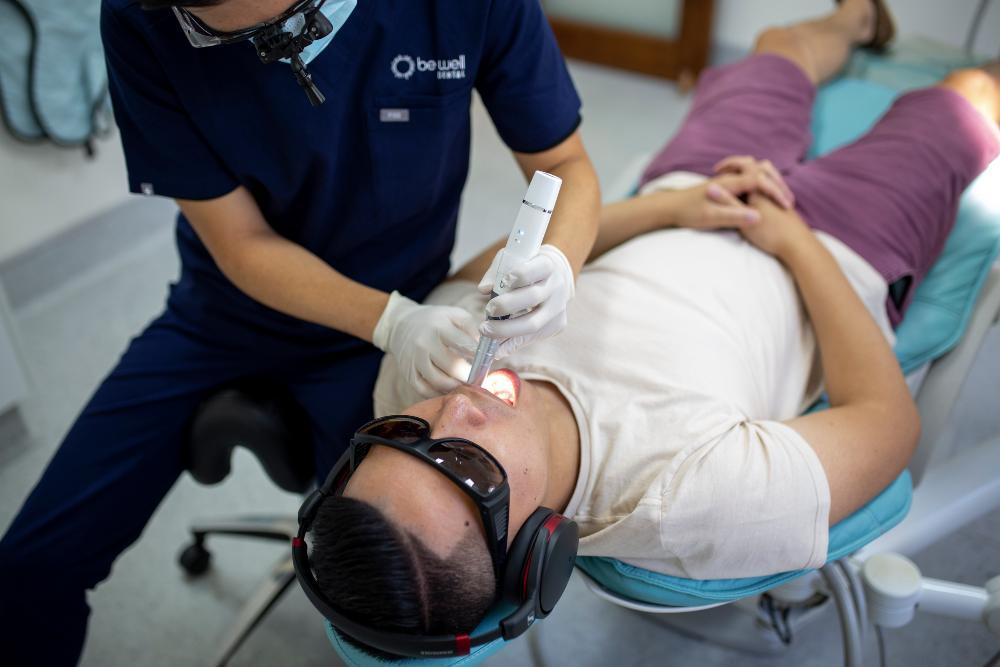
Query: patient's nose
[(458, 412)]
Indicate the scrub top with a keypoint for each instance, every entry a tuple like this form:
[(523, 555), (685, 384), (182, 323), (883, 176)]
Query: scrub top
[(370, 181)]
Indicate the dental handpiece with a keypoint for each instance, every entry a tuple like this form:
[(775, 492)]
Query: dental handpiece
[(523, 243)]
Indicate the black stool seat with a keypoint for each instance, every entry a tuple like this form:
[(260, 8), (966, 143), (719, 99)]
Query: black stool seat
[(264, 419)]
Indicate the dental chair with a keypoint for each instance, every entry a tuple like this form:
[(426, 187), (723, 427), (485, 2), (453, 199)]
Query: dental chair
[(868, 578)]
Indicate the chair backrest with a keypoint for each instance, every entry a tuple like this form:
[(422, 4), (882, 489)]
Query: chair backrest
[(940, 388), (261, 417)]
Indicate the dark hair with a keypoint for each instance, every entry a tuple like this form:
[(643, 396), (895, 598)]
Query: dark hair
[(386, 577), (164, 4)]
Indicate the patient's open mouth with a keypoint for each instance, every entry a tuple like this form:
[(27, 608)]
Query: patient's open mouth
[(504, 384)]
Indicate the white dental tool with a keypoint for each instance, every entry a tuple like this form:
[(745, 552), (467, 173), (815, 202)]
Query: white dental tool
[(523, 243)]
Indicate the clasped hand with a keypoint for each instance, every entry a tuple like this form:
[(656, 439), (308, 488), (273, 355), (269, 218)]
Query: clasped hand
[(745, 194)]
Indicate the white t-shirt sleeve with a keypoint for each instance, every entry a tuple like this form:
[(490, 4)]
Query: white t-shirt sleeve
[(754, 502)]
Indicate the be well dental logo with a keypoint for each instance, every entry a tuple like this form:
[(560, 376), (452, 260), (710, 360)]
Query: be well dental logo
[(405, 66)]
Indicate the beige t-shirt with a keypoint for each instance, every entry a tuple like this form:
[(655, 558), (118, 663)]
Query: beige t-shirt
[(683, 353)]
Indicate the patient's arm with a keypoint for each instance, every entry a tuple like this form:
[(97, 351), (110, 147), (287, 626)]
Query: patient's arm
[(871, 429), (711, 205), (619, 222), (714, 204)]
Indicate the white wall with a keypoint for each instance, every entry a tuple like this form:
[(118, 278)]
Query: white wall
[(738, 21), (45, 190)]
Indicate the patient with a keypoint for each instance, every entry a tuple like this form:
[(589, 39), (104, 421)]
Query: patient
[(666, 419)]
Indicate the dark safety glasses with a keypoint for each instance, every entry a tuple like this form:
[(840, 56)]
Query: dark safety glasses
[(469, 466), (200, 35)]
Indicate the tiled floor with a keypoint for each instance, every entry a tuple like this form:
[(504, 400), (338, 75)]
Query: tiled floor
[(147, 614)]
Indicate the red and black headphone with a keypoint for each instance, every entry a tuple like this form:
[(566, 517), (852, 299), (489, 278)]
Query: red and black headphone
[(537, 570)]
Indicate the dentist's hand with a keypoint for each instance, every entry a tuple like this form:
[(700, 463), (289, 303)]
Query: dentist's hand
[(432, 345), (542, 285)]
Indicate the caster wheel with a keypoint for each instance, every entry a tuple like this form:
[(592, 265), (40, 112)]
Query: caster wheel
[(195, 559)]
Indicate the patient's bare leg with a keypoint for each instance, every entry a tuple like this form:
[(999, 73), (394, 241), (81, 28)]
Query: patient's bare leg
[(980, 86), (821, 47)]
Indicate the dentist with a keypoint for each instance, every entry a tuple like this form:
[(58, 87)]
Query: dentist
[(317, 151)]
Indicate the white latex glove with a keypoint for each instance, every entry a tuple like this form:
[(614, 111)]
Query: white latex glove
[(432, 345), (542, 285)]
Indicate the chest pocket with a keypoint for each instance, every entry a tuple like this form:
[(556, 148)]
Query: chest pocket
[(417, 145)]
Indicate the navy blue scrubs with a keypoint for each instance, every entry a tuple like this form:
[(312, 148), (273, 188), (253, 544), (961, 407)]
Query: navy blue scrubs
[(370, 182)]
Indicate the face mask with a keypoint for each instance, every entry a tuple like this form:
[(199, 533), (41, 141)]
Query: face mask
[(337, 12)]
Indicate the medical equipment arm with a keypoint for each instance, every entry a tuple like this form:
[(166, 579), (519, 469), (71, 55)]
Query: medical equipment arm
[(867, 435)]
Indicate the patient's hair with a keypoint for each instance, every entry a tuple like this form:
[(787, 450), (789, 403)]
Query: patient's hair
[(385, 577)]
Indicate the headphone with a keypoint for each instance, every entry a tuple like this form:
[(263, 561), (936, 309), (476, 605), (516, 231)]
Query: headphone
[(539, 565)]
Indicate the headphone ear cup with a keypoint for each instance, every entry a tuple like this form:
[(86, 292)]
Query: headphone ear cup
[(560, 556), (518, 555)]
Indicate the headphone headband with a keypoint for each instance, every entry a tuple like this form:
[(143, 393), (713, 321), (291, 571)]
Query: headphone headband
[(546, 539)]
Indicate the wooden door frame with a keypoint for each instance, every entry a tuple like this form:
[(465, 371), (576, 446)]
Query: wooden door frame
[(681, 58)]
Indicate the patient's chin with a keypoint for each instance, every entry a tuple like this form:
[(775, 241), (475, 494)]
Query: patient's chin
[(504, 384)]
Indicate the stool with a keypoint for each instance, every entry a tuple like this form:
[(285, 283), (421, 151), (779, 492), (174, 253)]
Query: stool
[(263, 418)]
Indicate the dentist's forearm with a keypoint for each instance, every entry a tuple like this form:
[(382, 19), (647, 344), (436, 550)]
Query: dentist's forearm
[(278, 273), (575, 219), (292, 280), (562, 226)]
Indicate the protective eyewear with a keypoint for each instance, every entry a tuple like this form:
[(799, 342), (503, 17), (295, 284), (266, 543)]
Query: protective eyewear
[(541, 556), (293, 20), (468, 465)]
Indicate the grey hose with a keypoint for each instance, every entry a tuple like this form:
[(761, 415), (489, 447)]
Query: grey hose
[(840, 590), (858, 593)]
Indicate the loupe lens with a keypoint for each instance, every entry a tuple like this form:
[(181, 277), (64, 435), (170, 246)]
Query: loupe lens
[(197, 36)]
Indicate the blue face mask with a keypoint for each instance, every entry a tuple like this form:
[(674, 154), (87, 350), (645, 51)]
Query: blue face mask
[(337, 12)]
